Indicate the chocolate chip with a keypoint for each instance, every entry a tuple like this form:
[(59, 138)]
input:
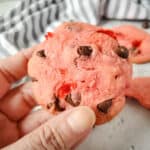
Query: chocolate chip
[(41, 53), (49, 105), (146, 24), (104, 106), (116, 76), (73, 102), (84, 50), (122, 52), (57, 104)]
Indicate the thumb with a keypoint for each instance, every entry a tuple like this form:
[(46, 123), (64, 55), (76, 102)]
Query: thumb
[(60, 133)]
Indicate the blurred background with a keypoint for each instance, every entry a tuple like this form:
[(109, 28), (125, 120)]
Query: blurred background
[(6, 5)]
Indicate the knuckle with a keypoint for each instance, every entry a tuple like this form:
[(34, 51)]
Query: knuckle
[(51, 138), (7, 74), (27, 97)]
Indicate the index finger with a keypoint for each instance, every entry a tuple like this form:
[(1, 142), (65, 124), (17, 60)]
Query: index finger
[(14, 67)]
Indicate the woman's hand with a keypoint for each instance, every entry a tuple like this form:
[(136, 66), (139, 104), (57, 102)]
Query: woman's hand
[(25, 130)]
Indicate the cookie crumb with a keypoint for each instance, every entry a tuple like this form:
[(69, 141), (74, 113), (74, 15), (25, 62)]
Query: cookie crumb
[(122, 120), (132, 147)]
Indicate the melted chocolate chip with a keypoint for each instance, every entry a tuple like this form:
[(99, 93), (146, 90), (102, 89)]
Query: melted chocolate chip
[(72, 102), (57, 104), (41, 53), (49, 105), (104, 106), (122, 52), (84, 50)]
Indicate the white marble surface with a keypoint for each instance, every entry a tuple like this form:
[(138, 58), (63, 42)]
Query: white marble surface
[(130, 130)]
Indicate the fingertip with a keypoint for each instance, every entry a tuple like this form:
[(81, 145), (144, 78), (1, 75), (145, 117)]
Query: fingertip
[(29, 51), (81, 119)]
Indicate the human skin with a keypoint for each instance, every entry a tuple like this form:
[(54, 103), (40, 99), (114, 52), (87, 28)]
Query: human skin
[(136, 40), (22, 129), (139, 90)]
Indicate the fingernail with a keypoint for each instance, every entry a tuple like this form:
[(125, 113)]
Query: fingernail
[(82, 119)]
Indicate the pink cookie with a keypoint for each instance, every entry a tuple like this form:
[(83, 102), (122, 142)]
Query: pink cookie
[(81, 64), (136, 40)]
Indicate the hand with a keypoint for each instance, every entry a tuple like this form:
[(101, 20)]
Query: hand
[(22, 129)]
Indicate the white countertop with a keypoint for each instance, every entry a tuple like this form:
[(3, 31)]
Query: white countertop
[(130, 130)]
